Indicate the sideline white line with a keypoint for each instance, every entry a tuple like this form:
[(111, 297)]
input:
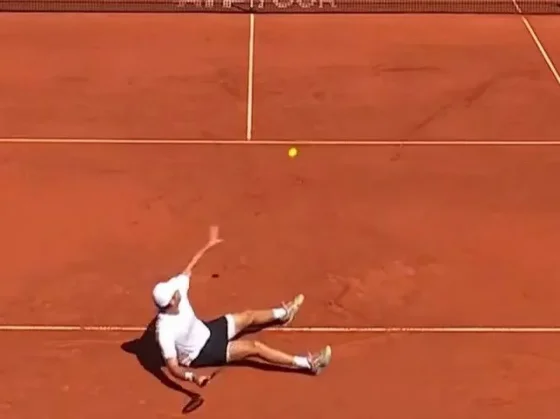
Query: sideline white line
[(250, 77), (326, 329), (537, 42), (132, 141)]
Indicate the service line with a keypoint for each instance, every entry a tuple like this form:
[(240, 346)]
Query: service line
[(309, 329), (369, 143)]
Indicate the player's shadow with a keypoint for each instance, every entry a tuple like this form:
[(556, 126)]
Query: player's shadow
[(147, 353), (266, 367)]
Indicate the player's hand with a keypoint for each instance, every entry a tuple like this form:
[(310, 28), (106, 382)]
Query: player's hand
[(214, 238), (201, 380)]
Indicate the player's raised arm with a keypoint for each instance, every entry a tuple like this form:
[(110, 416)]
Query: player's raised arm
[(212, 241)]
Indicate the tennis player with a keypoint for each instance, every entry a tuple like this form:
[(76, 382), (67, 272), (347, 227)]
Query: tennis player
[(187, 341)]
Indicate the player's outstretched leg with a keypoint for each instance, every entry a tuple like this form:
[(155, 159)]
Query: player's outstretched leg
[(249, 349), (251, 318)]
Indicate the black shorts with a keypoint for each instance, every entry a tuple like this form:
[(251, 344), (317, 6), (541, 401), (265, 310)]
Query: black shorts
[(214, 352)]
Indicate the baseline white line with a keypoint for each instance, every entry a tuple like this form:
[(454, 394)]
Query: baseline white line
[(326, 329), (538, 42), (250, 73), (132, 141)]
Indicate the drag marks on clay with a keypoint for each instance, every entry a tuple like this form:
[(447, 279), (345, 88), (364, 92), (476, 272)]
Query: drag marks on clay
[(392, 285)]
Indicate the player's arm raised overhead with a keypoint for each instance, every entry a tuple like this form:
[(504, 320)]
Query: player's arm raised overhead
[(212, 241)]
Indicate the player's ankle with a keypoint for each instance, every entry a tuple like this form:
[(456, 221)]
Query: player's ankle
[(279, 313), (302, 362)]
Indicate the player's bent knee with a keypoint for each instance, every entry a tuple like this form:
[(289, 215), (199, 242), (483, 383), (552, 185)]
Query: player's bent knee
[(241, 349), (249, 317), (244, 319), (257, 345)]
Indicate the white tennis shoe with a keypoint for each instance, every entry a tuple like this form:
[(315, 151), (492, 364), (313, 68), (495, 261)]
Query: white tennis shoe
[(292, 309), (320, 360)]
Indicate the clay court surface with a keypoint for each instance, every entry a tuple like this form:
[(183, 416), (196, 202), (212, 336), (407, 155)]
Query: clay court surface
[(376, 235)]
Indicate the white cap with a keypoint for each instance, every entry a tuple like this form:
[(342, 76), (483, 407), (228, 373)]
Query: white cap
[(163, 293)]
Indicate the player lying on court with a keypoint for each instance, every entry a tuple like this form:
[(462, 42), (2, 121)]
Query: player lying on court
[(187, 341)]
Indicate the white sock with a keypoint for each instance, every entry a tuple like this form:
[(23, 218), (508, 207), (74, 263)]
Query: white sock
[(279, 313), (301, 362)]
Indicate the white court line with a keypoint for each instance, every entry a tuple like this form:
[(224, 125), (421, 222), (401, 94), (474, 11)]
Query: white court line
[(250, 76), (537, 42), (132, 141), (325, 329)]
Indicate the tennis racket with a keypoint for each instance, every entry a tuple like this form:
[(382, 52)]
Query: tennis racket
[(196, 401), (212, 376)]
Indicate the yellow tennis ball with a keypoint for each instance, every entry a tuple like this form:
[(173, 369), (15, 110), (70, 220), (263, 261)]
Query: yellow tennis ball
[(292, 152)]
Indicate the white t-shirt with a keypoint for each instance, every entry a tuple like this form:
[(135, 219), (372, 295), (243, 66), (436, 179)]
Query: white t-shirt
[(182, 335)]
